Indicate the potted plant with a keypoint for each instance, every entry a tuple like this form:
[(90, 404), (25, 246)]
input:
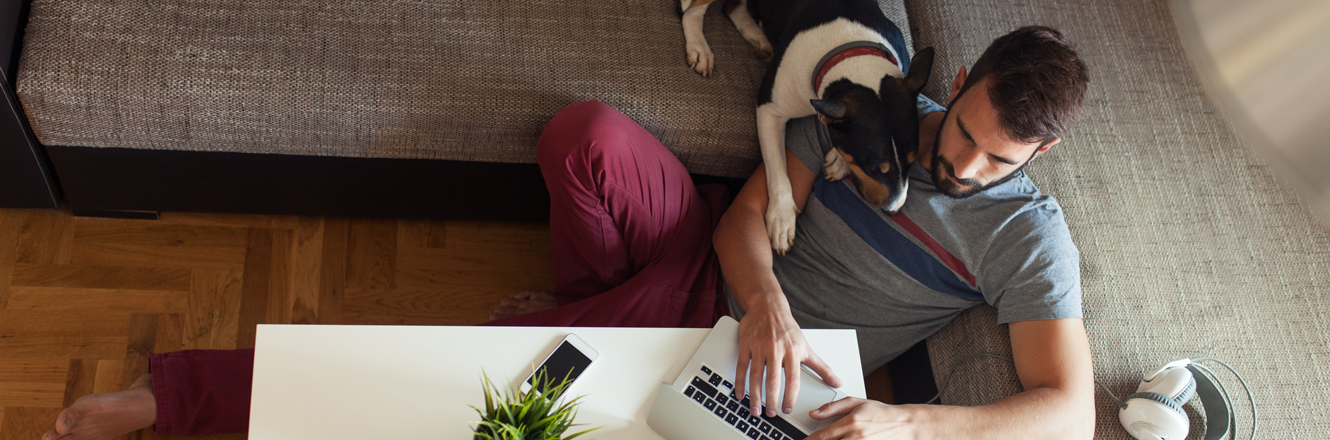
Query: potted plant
[(517, 415)]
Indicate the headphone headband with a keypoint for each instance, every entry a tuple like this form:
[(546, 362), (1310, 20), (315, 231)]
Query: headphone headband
[(1218, 415)]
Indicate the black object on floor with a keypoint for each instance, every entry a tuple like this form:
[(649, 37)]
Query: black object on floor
[(912, 375)]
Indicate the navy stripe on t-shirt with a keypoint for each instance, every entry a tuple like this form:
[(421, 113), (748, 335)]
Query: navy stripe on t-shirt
[(892, 244)]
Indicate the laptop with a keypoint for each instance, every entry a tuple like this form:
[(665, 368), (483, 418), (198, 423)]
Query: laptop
[(702, 402)]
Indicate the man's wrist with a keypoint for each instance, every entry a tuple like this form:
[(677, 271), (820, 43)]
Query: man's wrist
[(921, 420), (767, 304)]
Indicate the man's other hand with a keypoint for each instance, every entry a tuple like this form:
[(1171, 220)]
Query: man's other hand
[(864, 419), (770, 342)]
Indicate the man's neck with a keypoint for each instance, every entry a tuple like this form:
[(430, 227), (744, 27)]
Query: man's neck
[(927, 135)]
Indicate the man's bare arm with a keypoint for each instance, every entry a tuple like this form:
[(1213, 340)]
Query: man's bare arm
[(769, 338), (741, 240), (1054, 366)]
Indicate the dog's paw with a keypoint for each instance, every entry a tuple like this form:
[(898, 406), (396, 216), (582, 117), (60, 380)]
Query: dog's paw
[(700, 58), (834, 167), (764, 53), (780, 223)]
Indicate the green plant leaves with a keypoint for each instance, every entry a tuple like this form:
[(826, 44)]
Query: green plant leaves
[(514, 415)]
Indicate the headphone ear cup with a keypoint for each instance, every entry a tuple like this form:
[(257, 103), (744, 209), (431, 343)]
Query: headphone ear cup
[(1187, 392), (1160, 399), (1176, 383), (1154, 416)]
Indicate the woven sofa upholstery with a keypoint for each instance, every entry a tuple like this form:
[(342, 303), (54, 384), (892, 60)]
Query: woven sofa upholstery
[(431, 79), (1190, 245)]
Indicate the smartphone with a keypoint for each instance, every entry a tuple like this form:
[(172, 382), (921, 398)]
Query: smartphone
[(570, 359)]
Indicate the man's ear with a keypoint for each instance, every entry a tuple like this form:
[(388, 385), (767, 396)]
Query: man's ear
[(921, 66), (1044, 148), (956, 85), (829, 108)]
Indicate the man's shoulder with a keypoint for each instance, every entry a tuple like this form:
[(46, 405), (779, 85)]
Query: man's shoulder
[(1017, 198), (807, 138), (806, 127), (1018, 211)]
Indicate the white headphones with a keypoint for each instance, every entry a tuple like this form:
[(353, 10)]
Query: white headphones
[(1155, 411)]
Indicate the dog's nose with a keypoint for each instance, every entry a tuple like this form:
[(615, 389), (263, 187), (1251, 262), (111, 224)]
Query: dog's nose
[(896, 200)]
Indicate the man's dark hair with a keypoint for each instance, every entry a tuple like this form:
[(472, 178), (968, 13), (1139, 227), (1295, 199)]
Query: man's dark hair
[(1037, 82)]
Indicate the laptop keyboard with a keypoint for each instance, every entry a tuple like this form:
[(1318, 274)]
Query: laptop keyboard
[(717, 395)]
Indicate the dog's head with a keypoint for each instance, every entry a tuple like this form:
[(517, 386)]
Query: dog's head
[(877, 134)]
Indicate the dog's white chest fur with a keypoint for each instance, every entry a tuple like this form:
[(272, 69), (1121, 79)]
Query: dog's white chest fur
[(793, 87), (790, 95)]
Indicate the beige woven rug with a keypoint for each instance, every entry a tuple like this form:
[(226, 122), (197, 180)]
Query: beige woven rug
[(1190, 246)]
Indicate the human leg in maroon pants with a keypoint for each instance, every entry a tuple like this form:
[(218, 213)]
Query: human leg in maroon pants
[(632, 246), (630, 232)]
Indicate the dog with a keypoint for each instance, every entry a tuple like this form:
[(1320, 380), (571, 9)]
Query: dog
[(846, 62)]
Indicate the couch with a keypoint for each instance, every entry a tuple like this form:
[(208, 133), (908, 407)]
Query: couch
[(412, 109), (1190, 244)]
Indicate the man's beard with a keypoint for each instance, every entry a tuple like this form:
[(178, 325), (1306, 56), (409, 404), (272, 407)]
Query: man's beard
[(944, 173)]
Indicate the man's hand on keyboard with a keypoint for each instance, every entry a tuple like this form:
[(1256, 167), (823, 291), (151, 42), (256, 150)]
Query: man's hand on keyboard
[(770, 341)]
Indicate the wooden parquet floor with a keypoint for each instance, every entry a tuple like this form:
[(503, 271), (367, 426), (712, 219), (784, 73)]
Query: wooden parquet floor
[(84, 301)]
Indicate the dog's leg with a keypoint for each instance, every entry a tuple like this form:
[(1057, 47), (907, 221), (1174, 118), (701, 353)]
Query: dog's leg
[(738, 13), (699, 53), (834, 167), (781, 211)]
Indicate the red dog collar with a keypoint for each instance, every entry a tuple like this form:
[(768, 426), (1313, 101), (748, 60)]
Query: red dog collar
[(847, 51)]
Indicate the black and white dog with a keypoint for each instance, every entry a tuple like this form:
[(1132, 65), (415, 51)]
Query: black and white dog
[(845, 61)]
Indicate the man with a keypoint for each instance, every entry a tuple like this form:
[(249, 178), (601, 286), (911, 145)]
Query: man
[(973, 229), (632, 240)]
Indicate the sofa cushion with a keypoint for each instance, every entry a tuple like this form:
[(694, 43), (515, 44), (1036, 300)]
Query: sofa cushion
[(412, 79), (1190, 245)]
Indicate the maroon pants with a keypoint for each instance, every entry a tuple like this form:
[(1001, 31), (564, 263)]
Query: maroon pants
[(632, 248)]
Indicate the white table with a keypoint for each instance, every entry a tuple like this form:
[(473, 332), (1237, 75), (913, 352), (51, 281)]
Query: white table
[(363, 382)]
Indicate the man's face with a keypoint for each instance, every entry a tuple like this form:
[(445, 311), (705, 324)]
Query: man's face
[(972, 152)]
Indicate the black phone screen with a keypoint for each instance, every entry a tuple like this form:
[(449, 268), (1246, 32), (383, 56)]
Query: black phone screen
[(566, 361)]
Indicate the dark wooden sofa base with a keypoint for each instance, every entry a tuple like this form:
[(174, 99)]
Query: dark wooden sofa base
[(126, 182), (104, 181)]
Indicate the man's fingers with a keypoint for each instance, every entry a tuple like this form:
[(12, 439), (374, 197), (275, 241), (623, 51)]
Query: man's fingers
[(792, 376), (836, 408), (841, 429), (772, 396), (755, 386), (741, 372), (822, 369)]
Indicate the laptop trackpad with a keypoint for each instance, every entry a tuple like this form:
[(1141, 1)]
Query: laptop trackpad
[(813, 393)]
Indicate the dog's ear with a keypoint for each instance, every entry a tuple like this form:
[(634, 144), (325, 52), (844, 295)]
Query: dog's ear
[(921, 66), (829, 108)]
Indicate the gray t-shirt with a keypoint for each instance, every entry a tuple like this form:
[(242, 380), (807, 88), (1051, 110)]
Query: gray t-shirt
[(897, 279)]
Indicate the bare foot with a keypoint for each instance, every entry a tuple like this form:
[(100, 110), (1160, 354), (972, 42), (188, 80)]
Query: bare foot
[(522, 303), (105, 415)]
